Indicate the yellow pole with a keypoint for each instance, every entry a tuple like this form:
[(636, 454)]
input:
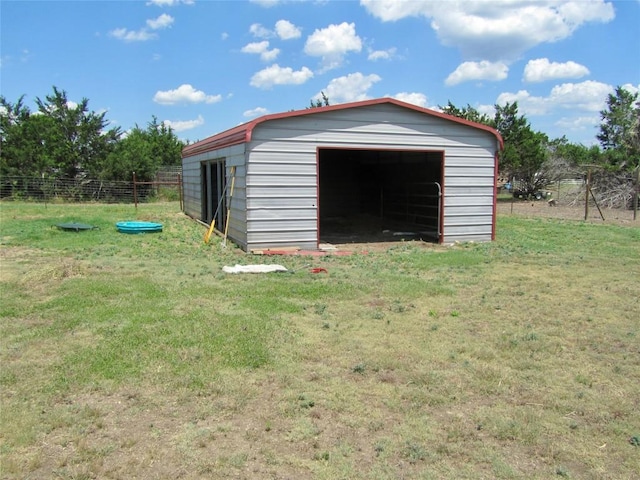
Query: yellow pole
[(207, 235), (226, 223)]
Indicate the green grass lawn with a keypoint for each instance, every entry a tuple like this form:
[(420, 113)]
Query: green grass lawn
[(135, 356)]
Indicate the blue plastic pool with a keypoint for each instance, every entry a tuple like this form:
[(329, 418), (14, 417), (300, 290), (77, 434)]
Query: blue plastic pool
[(138, 227)]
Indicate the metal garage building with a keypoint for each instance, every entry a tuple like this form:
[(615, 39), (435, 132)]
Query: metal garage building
[(344, 173)]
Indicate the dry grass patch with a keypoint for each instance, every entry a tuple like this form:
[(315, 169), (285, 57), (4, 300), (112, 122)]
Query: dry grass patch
[(515, 359)]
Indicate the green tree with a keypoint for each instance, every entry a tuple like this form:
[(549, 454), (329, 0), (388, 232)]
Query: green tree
[(573, 154), (467, 113), (131, 154), (143, 152), (620, 130), (166, 147), (618, 118), (22, 151), (525, 151), (76, 139), (324, 102)]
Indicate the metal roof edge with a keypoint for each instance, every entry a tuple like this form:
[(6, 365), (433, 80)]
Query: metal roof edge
[(242, 133)]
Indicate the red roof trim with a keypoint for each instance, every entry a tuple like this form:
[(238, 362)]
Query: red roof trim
[(242, 133)]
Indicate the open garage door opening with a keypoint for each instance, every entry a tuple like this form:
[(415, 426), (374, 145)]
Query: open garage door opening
[(379, 195)]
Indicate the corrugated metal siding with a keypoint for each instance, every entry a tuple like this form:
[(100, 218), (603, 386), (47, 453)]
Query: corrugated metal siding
[(192, 185), (282, 169), (276, 200)]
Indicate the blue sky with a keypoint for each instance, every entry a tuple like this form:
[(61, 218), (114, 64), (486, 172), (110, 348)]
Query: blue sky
[(206, 66)]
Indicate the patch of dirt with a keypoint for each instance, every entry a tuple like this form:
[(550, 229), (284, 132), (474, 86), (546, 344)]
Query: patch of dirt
[(16, 262), (367, 233), (565, 212), (145, 434)]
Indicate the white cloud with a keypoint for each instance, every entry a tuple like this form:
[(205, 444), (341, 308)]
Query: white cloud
[(419, 99), (588, 96), (382, 54), (572, 107), (391, 11), (284, 30), (631, 88), (277, 75), (256, 112), (24, 57), (350, 88), (266, 3), (170, 3), (132, 35), (575, 96), (287, 30), (576, 124), (488, 110), (269, 55), (484, 70), (182, 125), (257, 30), (333, 43), (261, 48), (184, 94), (541, 69), (496, 30), (144, 34), (273, 3), (527, 104), (163, 21)]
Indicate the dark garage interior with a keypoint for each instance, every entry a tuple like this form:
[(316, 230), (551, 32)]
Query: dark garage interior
[(379, 195)]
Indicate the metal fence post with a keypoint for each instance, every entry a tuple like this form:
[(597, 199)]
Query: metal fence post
[(635, 202), (135, 193)]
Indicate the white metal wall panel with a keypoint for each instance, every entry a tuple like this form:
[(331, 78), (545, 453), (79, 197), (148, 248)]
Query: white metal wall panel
[(467, 181), (191, 187), (467, 201), (294, 180), (465, 191), (263, 239), (473, 232), (282, 179), (275, 213), (192, 184), (466, 210), (290, 145), (280, 184)]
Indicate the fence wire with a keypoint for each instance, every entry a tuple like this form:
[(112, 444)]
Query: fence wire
[(83, 190)]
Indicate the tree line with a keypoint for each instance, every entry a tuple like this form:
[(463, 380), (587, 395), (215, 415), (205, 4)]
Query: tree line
[(66, 140), (535, 160)]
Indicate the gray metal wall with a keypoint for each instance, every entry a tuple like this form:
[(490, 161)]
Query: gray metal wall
[(276, 199), (192, 185), (281, 174)]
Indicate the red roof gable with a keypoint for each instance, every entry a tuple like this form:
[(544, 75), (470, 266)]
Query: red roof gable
[(242, 133)]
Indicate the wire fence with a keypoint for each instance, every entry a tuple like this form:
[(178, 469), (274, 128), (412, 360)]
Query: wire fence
[(166, 186)]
